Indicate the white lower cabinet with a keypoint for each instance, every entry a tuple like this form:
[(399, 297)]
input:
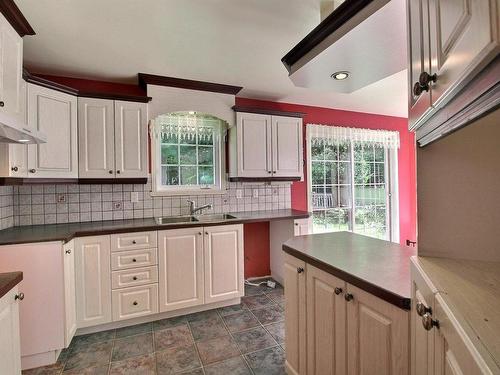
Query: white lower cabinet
[(337, 328), (10, 352), (93, 280), (135, 301), (69, 292)]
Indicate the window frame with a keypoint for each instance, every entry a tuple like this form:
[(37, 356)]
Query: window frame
[(220, 184), (392, 192)]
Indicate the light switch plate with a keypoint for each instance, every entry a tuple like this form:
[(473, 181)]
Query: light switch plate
[(239, 193), (255, 193)]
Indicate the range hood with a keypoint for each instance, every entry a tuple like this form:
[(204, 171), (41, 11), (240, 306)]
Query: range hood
[(15, 131), (363, 40)]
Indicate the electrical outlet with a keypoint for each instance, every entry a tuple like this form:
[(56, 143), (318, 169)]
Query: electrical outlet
[(61, 198), (117, 206), (255, 193), (275, 191), (239, 193), (134, 196)]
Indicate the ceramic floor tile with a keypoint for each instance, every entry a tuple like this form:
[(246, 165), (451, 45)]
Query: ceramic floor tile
[(133, 330), (54, 369), (277, 295), (251, 290), (240, 321), (169, 322), (143, 365), (218, 349), (208, 329), (97, 354), (203, 315), (277, 330), (253, 339), (271, 314), (198, 371), (232, 366), (172, 337), (85, 340), (99, 370), (228, 310), (267, 362), (256, 302), (132, 346), (174, 360)]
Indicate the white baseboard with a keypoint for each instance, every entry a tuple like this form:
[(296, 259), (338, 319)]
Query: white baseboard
[(38, 360)]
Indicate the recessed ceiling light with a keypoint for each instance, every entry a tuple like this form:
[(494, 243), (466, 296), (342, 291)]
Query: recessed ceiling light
[(23, 140), (339, 76)]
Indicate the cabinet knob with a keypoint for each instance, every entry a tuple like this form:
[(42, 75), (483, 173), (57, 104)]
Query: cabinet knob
[(32, 170), (348, 297), (134, 260), (274, 171), (110, 172), (14, 169), (134, 278), (68, 251), (300, 270), (206, 233), (428, 322), (425, 79), (200, 233), (417, 90), (422, 309), (269, 172), (19, 296), (2, 104), (135, 303), (118, 171), (134, 242), (338, 290)]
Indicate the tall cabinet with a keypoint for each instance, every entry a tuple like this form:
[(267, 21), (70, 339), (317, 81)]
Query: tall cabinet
[(112, 138)]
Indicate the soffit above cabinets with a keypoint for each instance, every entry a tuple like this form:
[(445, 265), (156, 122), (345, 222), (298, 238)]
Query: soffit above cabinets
[(366, 38)]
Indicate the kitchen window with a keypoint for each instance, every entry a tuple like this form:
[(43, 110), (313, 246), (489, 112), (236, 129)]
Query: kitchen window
[(188, 153), (353, 180)]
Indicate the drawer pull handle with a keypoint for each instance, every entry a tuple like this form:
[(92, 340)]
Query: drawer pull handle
[(110, 171), (14, 169), (19, 296), (32, 170), (68, 251), (134, 278), (422, 309), (135, 303), (338, 291), (428, 322), (134, 260), (348, 297), (134, 242)]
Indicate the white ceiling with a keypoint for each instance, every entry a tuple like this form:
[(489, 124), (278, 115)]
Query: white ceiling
[(236, 42)]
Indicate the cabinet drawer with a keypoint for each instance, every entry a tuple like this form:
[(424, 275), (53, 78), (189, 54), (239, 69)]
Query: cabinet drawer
[(134, 277), (133, 241), (136, 301), (133, 259)]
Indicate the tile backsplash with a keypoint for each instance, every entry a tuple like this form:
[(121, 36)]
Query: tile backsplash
[(50, 204)]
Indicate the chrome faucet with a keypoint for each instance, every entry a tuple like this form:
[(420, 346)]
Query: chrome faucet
[(193, 209)]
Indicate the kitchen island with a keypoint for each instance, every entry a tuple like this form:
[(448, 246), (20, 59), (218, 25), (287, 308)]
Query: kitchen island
[(348, 298)]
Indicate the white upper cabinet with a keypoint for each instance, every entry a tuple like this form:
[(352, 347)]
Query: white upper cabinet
[(449, 42), (265, 146), (53, 113), (11, 71), (112, 138), (131, 133)]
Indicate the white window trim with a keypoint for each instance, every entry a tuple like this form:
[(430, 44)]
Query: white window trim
[(221, 174), (392, 192)]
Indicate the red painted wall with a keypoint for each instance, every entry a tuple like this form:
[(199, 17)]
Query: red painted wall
[(256, 245), (406, 153)]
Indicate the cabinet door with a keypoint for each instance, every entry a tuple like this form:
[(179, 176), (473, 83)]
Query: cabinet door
[(131, 139), (180, 268), (13, 160), (287, 146), (93, 281), (295, 315), (96, 138), (10, 352), (254, 145), (419, 59), (223, 260), (453, 351), (326, 322), (464, 37), (69, 292), (11, 72), (377, 335), (53, 113)]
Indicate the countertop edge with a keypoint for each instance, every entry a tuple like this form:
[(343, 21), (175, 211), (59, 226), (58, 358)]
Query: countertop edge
[(388, 296), (11, 283)]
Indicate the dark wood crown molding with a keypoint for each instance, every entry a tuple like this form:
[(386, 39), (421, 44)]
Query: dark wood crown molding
[(263, 111), (151, 79), (12, 13), (40, 81), (340, 16)]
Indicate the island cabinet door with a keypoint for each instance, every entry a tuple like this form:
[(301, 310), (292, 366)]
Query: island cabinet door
[(180, 268), (295, 315), (326, 320), (377, 335), (93, 280)]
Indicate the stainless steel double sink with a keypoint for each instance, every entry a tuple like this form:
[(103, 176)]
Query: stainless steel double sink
[(193, 219)]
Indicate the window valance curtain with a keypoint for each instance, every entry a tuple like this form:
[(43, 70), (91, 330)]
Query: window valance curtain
[(187, 126), (325, 134)]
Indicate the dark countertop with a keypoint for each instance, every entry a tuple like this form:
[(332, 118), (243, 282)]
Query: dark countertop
[(9, 280), (379, 267), (65, 232)]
